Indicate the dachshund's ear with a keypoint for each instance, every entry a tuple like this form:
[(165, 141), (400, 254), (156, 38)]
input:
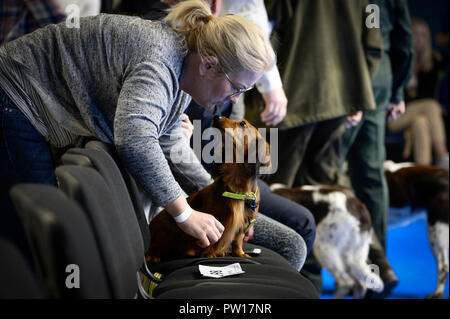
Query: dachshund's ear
[(252, 169), (263, 157), (258, 155)]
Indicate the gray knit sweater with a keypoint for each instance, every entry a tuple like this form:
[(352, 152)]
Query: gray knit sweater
[(115, 78)]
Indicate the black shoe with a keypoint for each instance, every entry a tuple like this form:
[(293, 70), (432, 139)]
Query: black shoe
[(390, 281)]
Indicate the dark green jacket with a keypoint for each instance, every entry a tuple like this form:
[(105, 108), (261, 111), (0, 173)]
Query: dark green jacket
[(326, 57), (398, 51)]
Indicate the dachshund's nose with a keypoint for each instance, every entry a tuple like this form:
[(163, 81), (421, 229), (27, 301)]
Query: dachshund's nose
[(217, 119)]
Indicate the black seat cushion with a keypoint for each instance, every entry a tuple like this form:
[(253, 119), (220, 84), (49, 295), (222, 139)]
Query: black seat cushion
[(60, 235), (122, 257), (130, 183), (16, 277), (105, 165), (258, 282)]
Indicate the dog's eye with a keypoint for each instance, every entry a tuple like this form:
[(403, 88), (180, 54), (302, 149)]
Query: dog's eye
[(243, 124)]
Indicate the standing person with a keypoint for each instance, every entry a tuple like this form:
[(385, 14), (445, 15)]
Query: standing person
[(125, 81), (365, 143), (423, 123), (326, 58)]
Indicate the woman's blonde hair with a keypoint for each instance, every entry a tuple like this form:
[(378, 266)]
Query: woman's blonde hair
[(236, 42)]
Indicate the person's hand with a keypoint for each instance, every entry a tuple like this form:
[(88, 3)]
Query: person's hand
[(205, 227), (353, 119), (187, 127), (276, 107), (249, 235), (394, 111)]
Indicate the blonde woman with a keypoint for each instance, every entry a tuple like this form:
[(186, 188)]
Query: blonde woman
[(125, 81), (422, 122)]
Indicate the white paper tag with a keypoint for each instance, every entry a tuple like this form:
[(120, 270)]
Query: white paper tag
[(219, 272)]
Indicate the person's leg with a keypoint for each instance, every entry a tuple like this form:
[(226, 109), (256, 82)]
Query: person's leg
[(321, 159), (377, 256), (366, 170), (348, 138), (424, 117), (284, 240), (365, 167), (25, 158), (320, 166), (413, 109), (288, 213), (421, 140), (437, 130), (291, 149)]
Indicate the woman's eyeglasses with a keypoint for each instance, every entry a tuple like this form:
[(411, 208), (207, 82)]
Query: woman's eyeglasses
[(237, 91)]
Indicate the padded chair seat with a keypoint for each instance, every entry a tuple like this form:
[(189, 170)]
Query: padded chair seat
[(17, 280), (266, 257), (59, 235), (258, 282)]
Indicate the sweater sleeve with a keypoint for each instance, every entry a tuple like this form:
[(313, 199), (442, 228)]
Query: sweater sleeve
[(186, 167), (146, 96)]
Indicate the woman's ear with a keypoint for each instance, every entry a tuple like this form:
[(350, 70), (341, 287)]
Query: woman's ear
[(208, 64)]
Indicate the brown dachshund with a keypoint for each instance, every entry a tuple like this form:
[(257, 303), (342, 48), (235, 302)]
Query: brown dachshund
[(233, 198)]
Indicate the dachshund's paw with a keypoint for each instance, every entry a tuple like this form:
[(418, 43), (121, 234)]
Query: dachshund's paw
[(240, 254), (209, 255)]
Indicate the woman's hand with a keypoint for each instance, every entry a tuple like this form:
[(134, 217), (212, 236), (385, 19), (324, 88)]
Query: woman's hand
[(205, 227), (276, 107), (187, 127), (249, 235)]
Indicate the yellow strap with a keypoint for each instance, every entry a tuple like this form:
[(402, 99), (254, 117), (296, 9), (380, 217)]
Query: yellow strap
[(151, 284), (250, 223), (239, 195)]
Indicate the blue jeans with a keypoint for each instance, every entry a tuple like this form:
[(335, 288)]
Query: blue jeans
[(24, 158)]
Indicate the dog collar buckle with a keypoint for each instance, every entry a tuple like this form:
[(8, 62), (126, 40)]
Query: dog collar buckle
[(251, 201)]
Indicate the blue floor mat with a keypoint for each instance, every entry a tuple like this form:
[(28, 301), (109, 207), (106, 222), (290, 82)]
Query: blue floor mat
[(410, 255)]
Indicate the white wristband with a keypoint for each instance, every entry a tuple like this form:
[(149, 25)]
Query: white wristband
[(184, 215)]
